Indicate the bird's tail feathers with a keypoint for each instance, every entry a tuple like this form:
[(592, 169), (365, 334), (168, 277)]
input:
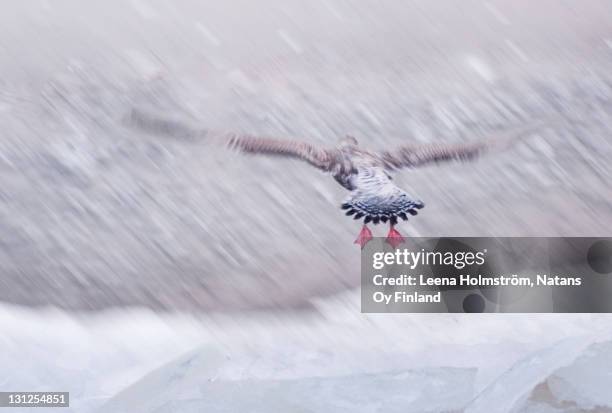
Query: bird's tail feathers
[(376, 213)]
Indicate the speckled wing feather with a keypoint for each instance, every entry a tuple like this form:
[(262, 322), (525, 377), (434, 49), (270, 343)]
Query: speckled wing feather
[(411, 156), (321, 158)]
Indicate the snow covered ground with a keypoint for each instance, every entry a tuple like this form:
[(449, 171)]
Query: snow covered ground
[(333, 360)]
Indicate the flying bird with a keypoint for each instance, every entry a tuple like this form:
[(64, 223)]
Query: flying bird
[(373, 196)]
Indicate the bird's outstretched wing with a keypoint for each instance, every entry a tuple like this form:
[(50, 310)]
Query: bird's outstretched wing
[(325, 159), (411, 156), (322, 158), (161, 125)]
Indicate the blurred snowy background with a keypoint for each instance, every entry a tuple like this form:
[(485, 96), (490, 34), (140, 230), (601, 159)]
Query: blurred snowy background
[(121, 252)]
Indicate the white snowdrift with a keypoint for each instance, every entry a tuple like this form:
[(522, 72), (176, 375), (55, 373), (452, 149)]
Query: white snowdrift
[(309, 361)]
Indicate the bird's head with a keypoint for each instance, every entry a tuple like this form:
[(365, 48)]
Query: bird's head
[(348, 141)]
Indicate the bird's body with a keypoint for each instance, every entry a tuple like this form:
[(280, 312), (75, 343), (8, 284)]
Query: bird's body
[(375, 198), (373, 195), (365, 173)]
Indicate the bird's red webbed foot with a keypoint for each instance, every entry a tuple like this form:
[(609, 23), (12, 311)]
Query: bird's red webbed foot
[(364, 236), (394, 238)]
